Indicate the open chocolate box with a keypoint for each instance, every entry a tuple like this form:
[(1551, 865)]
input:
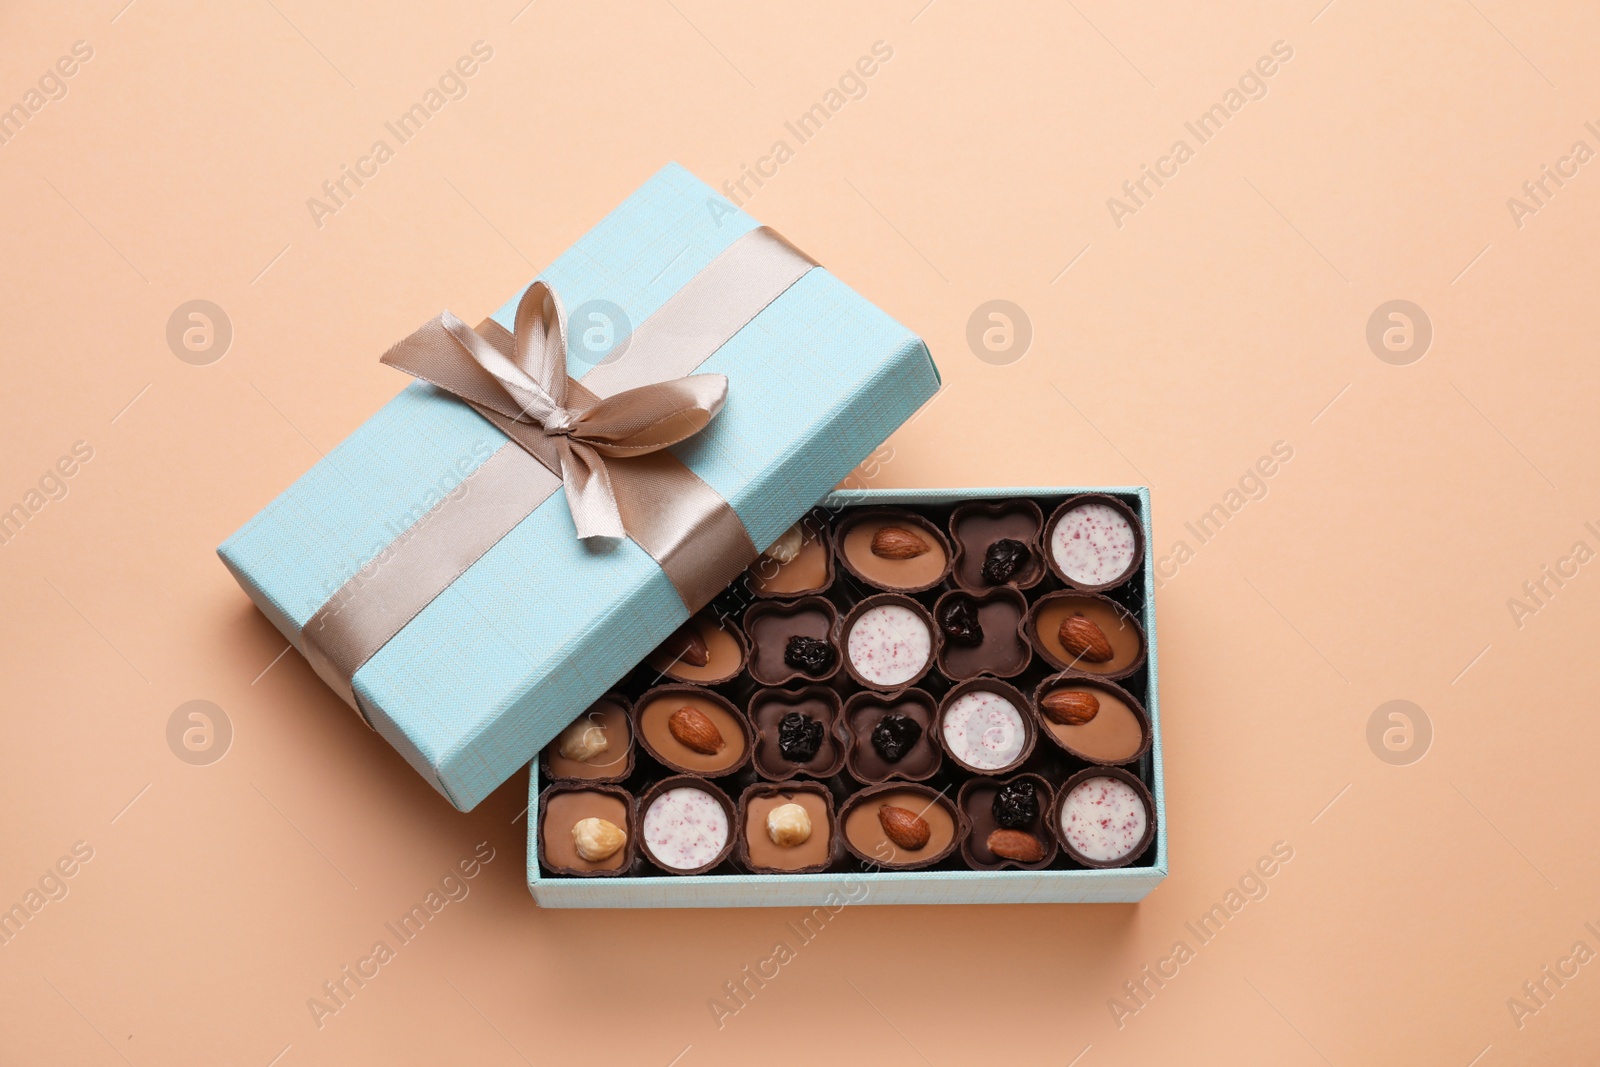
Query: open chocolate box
[(916, 697)]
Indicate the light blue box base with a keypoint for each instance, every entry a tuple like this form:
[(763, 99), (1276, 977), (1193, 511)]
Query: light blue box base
[(836, 888)]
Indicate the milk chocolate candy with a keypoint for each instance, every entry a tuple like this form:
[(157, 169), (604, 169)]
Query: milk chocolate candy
[(761, 850), (982, 561), (891, 549), (1103, 817), (879, 752), (810, 571), (862, 825), (996, 617), (798, 732), (977, 801), (706, 650), (1114, 623), (608, 720), (1094, 542), (562, 807), (789, 640), (710, 738), (1117, 732)]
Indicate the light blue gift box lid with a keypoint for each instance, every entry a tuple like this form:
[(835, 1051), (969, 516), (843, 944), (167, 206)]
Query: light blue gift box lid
[(543, 624)]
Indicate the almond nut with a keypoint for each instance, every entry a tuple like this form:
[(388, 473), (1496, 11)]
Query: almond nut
[(786, 549), (691, 727), (596, 840), (582, 741), (1083, 639), (1016, 845), (1070, 707), (892, 542), (906, 829), (788, 825), (686, 646)]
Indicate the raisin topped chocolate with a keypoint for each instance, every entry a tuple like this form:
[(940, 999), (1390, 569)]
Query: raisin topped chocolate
[(797, 733), (997, 543), (1009, 822), (981, 633), (793, 642), (891, 736)]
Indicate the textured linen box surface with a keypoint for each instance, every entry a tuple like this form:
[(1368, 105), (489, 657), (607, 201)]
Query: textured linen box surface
[(939, 885), (543, 623)]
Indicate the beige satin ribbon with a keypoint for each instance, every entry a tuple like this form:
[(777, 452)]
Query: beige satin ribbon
[(608, 450), (518, 381)]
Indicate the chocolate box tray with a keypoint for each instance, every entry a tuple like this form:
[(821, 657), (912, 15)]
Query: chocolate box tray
[(949, 881)]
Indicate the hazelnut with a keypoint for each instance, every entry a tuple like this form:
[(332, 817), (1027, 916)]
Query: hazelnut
[(788, 825), (582, 741), (786, 548), (596, 839)]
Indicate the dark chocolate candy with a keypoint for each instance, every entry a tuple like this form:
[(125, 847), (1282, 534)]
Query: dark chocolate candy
[(995, 616)]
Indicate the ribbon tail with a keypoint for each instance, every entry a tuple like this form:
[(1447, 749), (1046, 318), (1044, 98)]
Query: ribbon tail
[(590, 495)]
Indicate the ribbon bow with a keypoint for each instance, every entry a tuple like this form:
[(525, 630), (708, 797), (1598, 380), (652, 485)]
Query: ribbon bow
[(519, 382)]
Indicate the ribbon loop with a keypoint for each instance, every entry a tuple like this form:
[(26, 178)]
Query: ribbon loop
[(522, 379)]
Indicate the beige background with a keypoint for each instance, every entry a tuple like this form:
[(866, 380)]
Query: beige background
[(1227, 313)]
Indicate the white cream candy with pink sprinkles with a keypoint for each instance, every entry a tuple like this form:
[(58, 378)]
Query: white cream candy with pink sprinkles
[(685, 828), (983, 730), (1093, 544), (889, 644), (1103, 818)]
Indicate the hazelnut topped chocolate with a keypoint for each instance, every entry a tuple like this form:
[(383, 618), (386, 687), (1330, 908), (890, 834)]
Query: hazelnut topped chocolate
[(792, 641), (895, 550), (997, 543), (1094, 542), (787, 828), (797, 732), (798, 563), (597, 746), (692, 731), (1085, 632), (888, 641), (706, 650), (587, 830), (981, 633), (892, 736), (900, 826)]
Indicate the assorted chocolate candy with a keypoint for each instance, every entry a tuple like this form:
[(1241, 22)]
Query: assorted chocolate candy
[(946, 687)]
